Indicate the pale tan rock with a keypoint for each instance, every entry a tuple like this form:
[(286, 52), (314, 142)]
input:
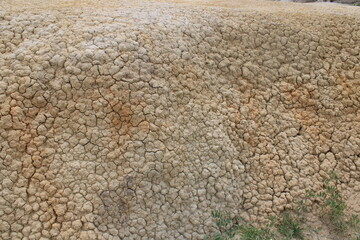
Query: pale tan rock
[(76, 225), (60, 209), (39, 101)]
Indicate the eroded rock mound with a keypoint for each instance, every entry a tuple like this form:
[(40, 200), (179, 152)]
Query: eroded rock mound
[(136, 121)]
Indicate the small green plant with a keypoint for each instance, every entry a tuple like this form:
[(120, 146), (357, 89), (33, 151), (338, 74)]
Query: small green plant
[(227, 226), (331, 200), (290, 226), (354, 221), (250, 232), (301, 207)]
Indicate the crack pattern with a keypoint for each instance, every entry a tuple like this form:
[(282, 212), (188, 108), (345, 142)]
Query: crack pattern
[(135, 122)]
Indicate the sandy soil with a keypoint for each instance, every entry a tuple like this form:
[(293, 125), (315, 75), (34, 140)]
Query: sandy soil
[(254, 5)]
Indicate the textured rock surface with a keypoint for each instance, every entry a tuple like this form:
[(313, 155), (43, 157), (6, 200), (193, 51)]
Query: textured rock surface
[(135, 120)]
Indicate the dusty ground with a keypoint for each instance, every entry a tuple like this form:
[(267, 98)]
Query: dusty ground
[(250, 5)]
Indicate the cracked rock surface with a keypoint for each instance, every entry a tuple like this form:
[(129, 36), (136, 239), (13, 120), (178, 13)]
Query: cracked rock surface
[(134, 120)]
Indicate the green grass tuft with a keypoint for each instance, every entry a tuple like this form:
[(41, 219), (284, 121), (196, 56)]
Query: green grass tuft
[(290, 226)]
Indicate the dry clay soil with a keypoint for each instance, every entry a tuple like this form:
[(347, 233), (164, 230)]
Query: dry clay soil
[(136, 119)]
